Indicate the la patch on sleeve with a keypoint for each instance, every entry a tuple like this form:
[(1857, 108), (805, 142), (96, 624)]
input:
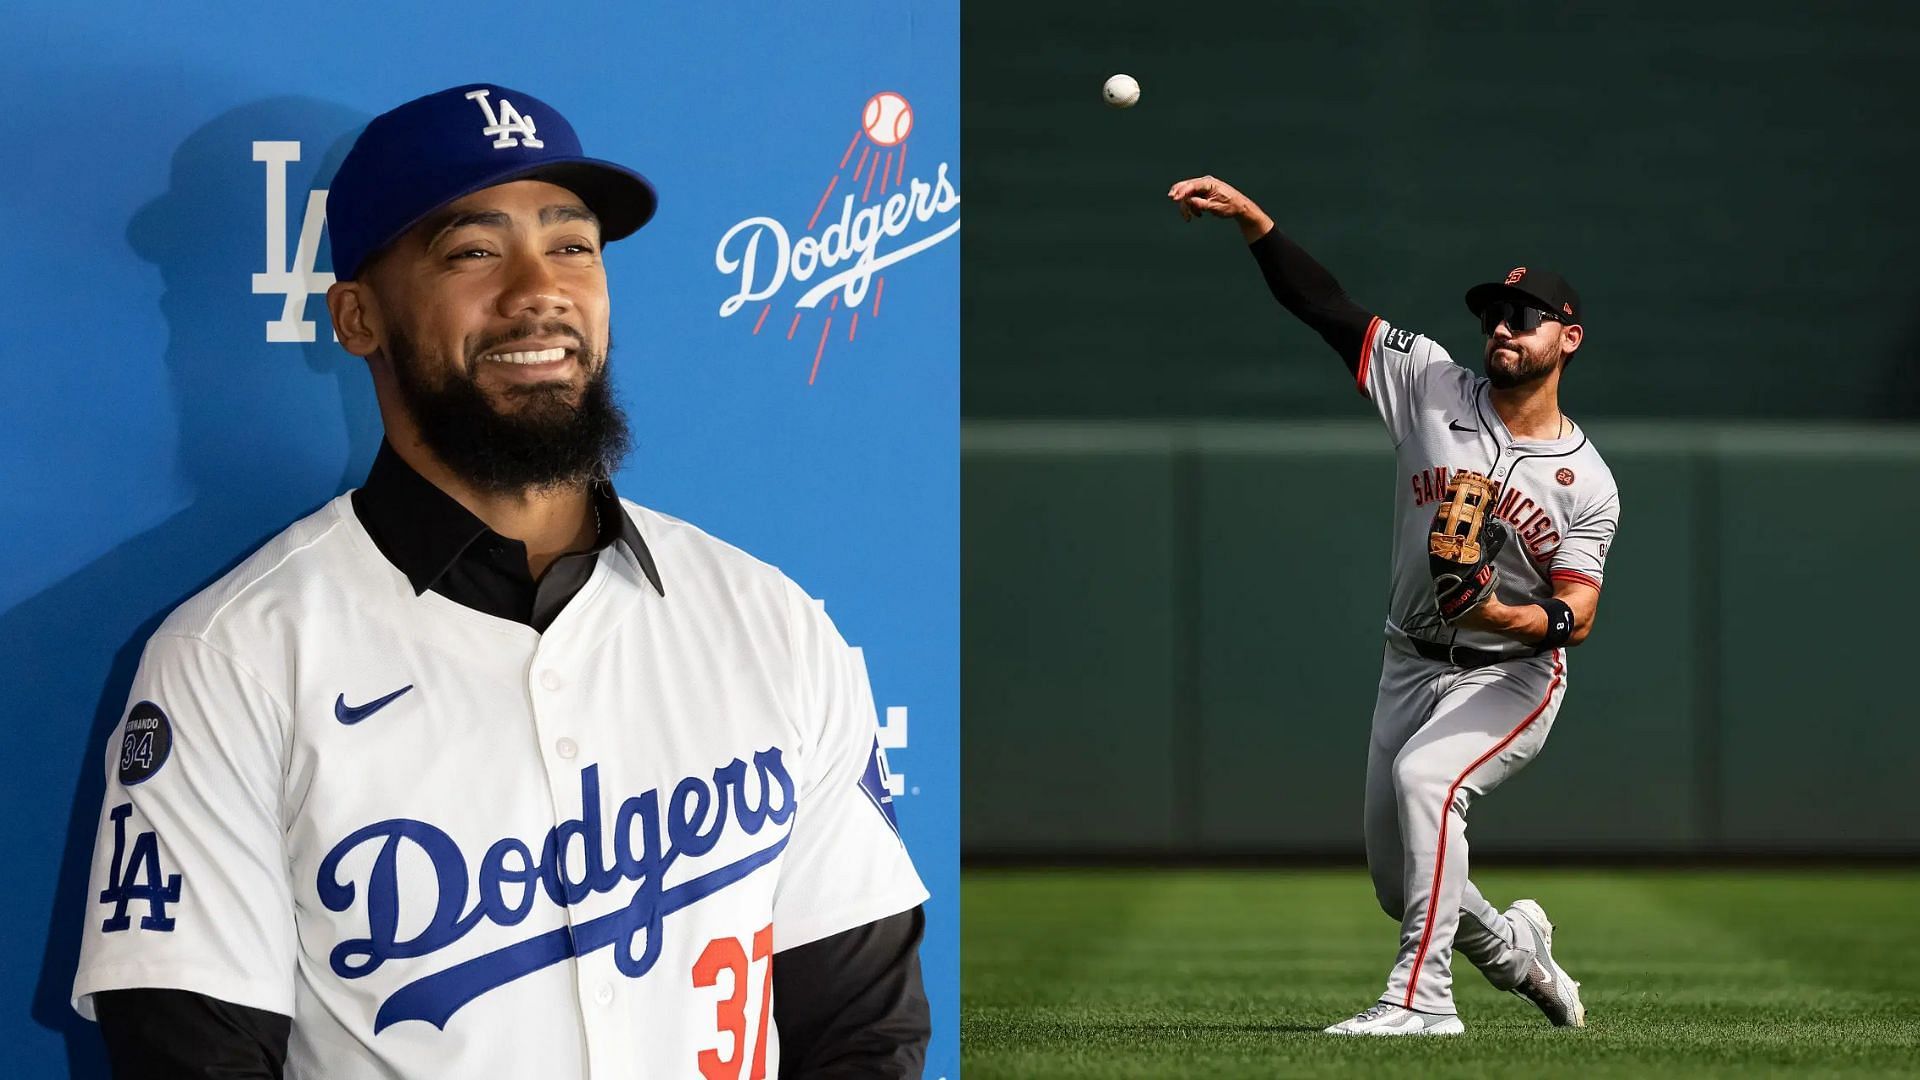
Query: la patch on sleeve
[(1401, 341), (136, 876), (145, 741)]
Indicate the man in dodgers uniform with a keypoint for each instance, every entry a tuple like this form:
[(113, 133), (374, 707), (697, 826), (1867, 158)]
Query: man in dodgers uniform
[(1464, 701), (482, 770)]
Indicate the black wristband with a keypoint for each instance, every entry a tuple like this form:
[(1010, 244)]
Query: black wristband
[(1559, 623)]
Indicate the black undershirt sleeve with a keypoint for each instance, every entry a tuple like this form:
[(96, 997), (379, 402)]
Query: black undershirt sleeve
[(848, 1006), (1307, 289), (852, 1005), (160, 1034)]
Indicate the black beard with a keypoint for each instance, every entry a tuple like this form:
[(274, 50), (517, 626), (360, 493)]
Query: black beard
[(1529, 369), (548, 442)]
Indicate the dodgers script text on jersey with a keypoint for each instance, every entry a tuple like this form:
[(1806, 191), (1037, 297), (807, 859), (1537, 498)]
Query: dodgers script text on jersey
[(447, 844)]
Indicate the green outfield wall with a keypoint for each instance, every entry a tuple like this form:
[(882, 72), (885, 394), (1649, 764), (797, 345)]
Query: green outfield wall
[(1729, 183), (1172, 636)]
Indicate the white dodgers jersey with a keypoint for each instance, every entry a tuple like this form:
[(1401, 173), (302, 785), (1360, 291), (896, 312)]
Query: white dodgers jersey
[(1557, 496), (448, 845)]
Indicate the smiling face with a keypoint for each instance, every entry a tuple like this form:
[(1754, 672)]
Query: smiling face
[(486, 327)]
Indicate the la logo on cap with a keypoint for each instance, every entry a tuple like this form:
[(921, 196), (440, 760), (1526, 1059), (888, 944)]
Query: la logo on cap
[(1513, 276), (508, 128)]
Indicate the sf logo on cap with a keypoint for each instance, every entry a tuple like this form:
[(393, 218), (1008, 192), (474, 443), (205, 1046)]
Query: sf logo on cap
[(1513, 276), (508, 124)]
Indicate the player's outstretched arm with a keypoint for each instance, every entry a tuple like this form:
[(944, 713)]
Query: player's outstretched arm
[(1300, 283)]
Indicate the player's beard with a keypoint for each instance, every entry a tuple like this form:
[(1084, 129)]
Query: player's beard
[(546, 441), (1529, 365)]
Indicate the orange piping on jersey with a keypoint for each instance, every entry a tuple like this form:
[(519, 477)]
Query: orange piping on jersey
[(1366, 355), (1573, 575), (1439, 866)]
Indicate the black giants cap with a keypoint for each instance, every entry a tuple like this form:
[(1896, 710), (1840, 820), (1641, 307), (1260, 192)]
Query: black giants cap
[(1538, 288), (420, 156)]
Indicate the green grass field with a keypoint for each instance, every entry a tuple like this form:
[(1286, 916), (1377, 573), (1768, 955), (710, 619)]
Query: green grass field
[(1173, 973)]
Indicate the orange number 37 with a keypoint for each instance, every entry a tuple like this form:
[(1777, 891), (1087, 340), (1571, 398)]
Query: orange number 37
[(725, 954)]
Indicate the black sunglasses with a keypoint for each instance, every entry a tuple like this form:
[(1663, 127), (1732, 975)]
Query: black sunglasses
[(1520, 318)]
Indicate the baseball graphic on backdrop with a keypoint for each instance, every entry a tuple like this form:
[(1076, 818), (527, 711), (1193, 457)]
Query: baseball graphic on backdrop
[(1121, 91), (888, 118)]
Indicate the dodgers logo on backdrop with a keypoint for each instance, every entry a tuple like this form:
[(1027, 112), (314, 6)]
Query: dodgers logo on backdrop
[(893, 736), (513, 873), (881, 783), (762, 257), (294, 278)]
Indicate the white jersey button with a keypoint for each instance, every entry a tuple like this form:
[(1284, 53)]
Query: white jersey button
[(566, 748), (604, 995), (551, 679)]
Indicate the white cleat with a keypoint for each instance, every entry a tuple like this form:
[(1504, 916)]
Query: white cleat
[(1546, 983), (1385, 1019)]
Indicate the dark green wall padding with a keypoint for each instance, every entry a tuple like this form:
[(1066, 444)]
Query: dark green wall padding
[(1172, 637), (1729, 184)]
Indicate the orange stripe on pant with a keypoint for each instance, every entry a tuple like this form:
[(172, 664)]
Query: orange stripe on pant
[(1446, 807)]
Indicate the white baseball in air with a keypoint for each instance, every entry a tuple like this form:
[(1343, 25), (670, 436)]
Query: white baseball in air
[(888, 118), (1121, 91)]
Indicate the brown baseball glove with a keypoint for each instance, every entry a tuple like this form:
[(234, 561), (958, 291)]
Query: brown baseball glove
[(1462, 545)]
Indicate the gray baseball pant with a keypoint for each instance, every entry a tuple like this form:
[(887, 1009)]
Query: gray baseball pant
[(1441, 737)]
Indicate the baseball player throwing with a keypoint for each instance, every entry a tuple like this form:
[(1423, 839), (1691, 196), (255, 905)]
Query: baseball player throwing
[(1501, 525), (481, 770)]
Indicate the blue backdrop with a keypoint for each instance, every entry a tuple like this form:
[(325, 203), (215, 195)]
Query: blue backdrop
[(164, 416)]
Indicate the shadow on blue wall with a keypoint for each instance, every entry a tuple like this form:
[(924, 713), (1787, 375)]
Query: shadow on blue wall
[(264, 439)]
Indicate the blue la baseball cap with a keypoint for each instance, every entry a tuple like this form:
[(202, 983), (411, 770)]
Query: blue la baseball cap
[(418, 157)]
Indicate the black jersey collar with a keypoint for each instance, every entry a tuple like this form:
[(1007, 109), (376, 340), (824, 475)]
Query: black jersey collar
[(423, 531)]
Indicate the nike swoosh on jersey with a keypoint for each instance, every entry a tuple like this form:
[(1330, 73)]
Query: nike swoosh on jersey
[(353, 714), (1455, 425)]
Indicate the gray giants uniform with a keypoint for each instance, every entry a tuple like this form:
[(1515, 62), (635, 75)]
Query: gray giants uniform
[(1443, 734)]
